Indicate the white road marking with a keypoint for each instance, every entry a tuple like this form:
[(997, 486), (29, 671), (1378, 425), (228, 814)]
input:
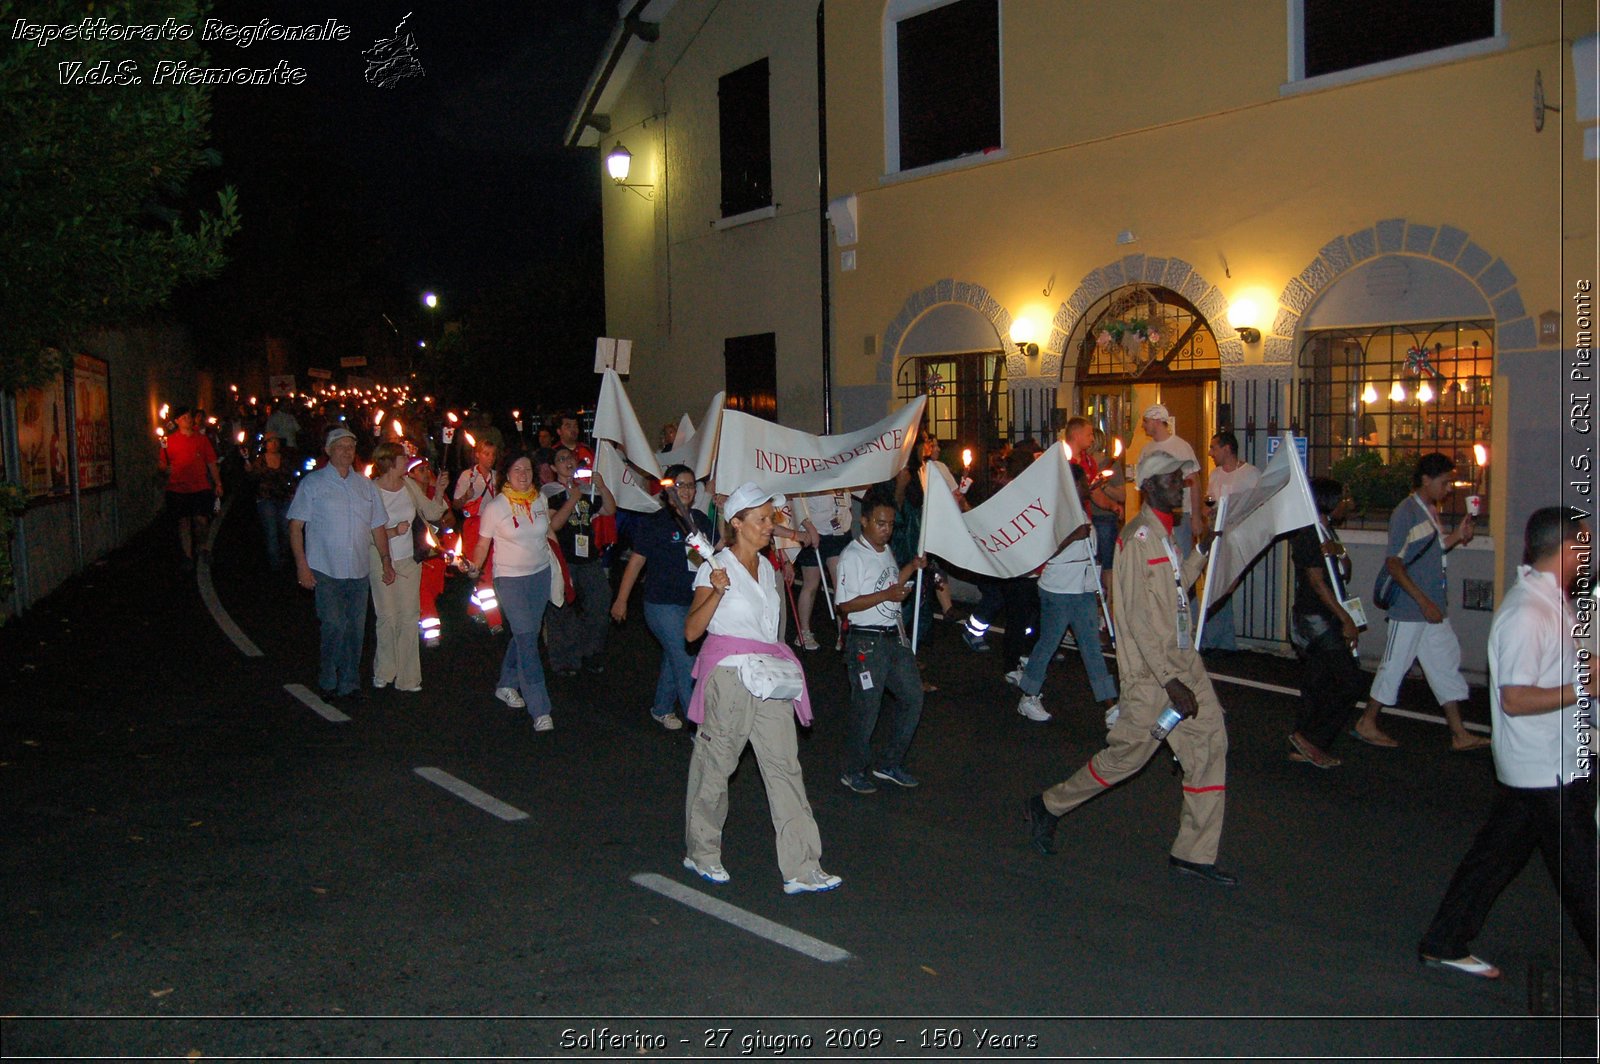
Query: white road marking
[(759, 926), (322, 709), (208, 594), (1294, 692), (488, 803)]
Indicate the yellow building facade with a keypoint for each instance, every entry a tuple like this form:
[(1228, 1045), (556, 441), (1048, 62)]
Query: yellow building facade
[(1405, 235)]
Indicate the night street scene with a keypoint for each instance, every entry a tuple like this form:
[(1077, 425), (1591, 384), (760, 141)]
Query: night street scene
[(957, 530)]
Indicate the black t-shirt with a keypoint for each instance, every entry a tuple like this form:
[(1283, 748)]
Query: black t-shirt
[(579, 523), (668, 577), (1305, 549)]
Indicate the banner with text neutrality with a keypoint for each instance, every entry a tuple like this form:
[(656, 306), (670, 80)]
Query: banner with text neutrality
[(792, 462), (1017, 530)]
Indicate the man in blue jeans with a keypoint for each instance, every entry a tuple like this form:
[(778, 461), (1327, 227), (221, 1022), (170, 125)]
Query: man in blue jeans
[(1069, 597), (335, 515), (871, 589)]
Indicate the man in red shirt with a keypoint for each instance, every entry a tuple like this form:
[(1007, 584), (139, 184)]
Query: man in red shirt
[(194, 487)]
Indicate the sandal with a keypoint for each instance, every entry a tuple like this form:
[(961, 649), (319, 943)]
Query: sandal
[(1378, 739), (1309, 752), (1473, 743), (1468, 965)]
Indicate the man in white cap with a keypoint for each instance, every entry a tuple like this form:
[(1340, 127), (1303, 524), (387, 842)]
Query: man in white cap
[(1157, 424), (1159, 669), (336, 514)]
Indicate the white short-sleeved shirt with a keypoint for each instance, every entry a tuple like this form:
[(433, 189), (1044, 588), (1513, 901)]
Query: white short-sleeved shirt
[(521, 546), (339, 514), (1179, 448), (829, 512), (1073, 570), (750, 609), (865, 571), (1244, 477), (400, 507), (1530, 645)]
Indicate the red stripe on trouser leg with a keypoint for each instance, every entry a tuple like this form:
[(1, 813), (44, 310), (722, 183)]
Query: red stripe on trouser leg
[(1096, 775), (1203, 790)]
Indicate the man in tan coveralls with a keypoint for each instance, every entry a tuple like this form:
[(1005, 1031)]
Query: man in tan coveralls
[(1158, 668)]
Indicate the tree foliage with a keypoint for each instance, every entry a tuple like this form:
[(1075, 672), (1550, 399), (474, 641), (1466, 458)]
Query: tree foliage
[(95, 225)]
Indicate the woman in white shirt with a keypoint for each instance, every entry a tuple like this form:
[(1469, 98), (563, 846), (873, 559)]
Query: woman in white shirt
[(738, 608), (517, 524), (396, 658)]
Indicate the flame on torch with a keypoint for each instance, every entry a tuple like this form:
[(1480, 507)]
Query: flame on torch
[(966, 458), (239, 436), (470, 441), (377, 417), (164, 411), (1481, 454), (367, 472), (1116, 447), (399, 429)]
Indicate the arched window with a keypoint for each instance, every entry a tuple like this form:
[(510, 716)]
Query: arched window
[(1375, 399)]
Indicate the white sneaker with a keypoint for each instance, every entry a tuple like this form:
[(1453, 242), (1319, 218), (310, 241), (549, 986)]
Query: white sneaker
[(812, 882), (1032, 707), (1113, 713), (544, 723), (713, 873), (807, 641), (510, 697), (670, 721), (1014, 677)]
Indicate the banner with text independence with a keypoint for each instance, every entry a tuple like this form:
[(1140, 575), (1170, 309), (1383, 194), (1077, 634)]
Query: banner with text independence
[(1017, 530), (797, 463)]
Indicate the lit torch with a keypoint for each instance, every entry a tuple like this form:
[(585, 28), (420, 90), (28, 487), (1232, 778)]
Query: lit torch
[(966, 470)]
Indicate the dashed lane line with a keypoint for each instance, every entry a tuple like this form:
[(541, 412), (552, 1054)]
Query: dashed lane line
[(759, 926), (461, 789), (208, 593), (321, 708)]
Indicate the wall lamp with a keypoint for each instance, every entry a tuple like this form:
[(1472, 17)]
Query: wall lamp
[(1242, 315), (1022, 333), (618, 161)]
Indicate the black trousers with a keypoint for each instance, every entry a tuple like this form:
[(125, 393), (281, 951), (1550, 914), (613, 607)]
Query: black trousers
[(1559, 822), (1330, 683)]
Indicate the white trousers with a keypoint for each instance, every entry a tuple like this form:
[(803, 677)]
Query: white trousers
[(1435, 646)]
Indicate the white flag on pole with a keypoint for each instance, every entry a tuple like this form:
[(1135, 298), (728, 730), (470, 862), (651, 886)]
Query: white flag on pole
[(696, 448), (1250, 520), (615, 420), (1017, 530), (796, 463)]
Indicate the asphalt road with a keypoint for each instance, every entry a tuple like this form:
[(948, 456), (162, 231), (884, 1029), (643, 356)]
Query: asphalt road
[(195, 862)]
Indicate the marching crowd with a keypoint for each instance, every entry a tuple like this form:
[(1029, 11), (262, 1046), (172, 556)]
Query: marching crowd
[(539, 529)]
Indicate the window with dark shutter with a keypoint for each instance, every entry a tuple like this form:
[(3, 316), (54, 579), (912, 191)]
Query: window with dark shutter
[(1345, 34), (745, 132), (751, 374), (948, 78)]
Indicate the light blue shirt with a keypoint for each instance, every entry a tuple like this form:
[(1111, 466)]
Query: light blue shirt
[(340, 514), (1409, 527)]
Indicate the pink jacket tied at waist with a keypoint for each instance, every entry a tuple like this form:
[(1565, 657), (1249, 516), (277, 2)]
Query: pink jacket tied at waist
[(717, 647)]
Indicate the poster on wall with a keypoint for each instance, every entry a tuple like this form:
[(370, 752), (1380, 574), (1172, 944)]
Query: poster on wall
[(91, 393), (41, 438)]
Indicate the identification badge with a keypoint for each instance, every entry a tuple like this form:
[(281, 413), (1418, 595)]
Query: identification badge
[(866, 680), (580, 545), (1185, 642), (1357, 612)]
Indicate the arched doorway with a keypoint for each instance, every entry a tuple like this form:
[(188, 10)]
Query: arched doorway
[(1144, 344), (954, 355)]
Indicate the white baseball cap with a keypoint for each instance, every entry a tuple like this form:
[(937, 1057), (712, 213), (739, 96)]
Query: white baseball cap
[(747, 495)]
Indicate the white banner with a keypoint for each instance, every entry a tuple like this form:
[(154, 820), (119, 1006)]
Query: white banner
[(615, 420), (795, 463), (1017, 530), (631, 487), (696, 448), (1248, 521)]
